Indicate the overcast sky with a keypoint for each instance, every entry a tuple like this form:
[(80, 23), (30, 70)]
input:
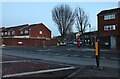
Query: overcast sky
[(18, 13)]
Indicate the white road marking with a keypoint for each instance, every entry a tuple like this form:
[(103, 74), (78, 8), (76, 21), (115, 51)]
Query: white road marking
[(114, 58), (87, 56), (44, 50), (37, 72), (15, 61)]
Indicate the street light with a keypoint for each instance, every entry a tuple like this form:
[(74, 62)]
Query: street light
[(89, 34), (89, 27)]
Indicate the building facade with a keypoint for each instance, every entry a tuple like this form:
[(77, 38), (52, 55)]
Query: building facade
[(89, 38), (109, 28), (27, 35), (27, 31)]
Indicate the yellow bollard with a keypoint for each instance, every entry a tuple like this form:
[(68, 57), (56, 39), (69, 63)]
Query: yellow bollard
[(97, 54), (96, 45)]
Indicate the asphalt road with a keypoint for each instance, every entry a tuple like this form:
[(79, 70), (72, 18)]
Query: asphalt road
[(67, 54), (69, 51)]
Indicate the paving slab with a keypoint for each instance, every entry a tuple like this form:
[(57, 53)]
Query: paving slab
[(90, 71)]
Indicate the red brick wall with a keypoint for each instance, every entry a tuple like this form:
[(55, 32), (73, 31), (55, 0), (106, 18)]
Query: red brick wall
[(102, 23), (105, 34), (118, 26), (29, 42), (35, 31), (104, 40), (118, 42), (0, 41)]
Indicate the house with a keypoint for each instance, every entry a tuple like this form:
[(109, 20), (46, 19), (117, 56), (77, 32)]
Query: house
[(12, 32), (27, 35), (109, 28), (89, 38), (27, 31)]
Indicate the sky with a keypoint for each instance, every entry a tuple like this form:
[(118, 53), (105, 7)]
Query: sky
[(19, 13)]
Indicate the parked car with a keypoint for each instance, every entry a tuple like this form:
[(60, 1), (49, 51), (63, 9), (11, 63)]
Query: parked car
[(62, 44), (75, 43)]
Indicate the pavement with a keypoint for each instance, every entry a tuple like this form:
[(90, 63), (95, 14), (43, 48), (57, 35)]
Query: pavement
[(90, 72)]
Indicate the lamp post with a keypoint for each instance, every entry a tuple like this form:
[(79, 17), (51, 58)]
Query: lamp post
[(89, 34), (89, 27)]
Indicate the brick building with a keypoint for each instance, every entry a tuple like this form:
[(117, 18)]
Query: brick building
[(89, 38), (27, 35), (109, 28)]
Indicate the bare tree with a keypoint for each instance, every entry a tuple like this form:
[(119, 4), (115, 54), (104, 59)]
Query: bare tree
[(63, 17), (82, 21)]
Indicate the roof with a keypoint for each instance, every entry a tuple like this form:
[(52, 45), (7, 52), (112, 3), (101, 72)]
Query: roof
[(14, 27), (38, 24), (115, 10), (91, 33), (23, 27)]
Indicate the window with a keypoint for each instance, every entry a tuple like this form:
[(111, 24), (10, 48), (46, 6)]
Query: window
[(8, 33), (2, 33), (40, 32), (21, 32), (26, 31), (109, 27), (110, 16), (13, 32), (5, 33)]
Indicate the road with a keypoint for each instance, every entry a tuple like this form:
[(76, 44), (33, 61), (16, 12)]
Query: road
[(45, 54), (19, 67)]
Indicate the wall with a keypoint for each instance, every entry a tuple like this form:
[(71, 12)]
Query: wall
[(102, 22), (35, 31), (28, 42), (105, 35), (104, 41), (118, 42)]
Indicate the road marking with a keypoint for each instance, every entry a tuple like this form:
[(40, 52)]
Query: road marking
[(87, 56), (44, 50), (37, 72), (114, 58), (103, 57), (15, 61)]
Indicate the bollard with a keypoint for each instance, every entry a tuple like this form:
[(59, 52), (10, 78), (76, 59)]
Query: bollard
[(97, 53)]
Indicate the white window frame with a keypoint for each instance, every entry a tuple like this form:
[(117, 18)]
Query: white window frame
[(2, 33), (6, 33), (13, 32), (109, 27), (21, 32), (26, 31), (109, 16)]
